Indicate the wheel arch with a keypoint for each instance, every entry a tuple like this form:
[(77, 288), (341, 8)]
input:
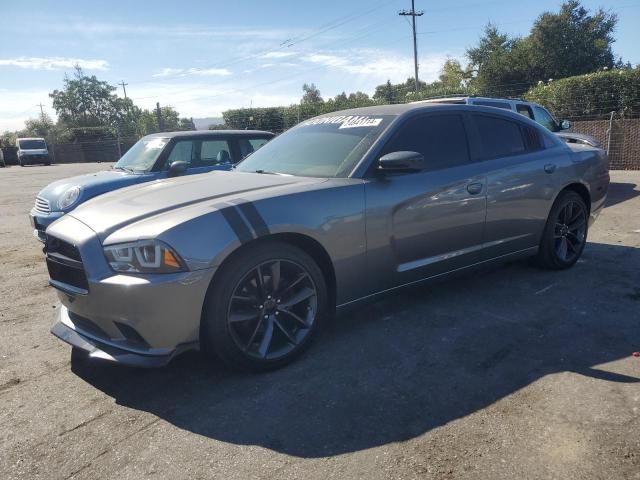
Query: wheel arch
[(304, 242), (581, 190)]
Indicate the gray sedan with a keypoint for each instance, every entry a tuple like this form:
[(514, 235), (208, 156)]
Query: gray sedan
[(247, 264)]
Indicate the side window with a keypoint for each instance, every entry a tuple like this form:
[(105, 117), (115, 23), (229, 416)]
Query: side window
[(215, 152), (545, 119), (182, 152), (440, 138), (250, 145), (486, 103), (532, 139), (525, 110), (499, 137)]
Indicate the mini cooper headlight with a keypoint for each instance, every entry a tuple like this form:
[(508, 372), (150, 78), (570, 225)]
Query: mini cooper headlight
[(145, 256), (69, 197)]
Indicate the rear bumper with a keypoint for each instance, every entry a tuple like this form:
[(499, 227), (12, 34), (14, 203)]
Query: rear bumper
[(66, 331)]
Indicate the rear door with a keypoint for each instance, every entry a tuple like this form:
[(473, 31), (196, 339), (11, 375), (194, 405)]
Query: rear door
[(429, 222), (520, 182)]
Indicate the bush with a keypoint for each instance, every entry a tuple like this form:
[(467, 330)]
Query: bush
[(594, 94)]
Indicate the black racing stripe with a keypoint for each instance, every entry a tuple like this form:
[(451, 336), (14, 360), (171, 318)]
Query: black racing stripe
[(235, 221), (258, 224)]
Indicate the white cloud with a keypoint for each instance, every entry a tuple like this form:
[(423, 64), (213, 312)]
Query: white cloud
[(202, 72), (53, 63), (277, 54)]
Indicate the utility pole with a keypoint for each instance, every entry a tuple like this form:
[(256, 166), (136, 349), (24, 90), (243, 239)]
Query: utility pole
[(413, 14), (159, 116), (41, 111), (123, 88)]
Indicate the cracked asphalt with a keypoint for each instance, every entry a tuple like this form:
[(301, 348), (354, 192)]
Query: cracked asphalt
[(510, 372)]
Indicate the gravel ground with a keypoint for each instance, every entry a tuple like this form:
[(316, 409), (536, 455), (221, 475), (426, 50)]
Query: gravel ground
[(511, 372)]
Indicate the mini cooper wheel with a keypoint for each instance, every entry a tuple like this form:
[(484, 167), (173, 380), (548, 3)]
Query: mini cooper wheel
[(565, 233), (266, 305)]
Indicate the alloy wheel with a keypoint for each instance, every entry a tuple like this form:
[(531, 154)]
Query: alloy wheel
[(570, 231), (272, 309)]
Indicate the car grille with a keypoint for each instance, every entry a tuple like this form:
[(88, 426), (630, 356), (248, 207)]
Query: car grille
[(42, 205), (64, 263)]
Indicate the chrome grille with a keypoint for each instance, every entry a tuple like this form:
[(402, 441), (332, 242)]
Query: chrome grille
[(42, 205)]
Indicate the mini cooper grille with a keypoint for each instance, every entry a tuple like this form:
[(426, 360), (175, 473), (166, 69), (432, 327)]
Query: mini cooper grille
[(42, 205), (64, 263)]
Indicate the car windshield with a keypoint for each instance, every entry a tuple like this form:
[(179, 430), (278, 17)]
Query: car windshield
[(321, 147), (32, 144), (142, 156)]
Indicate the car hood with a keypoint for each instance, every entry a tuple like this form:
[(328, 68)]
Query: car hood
[(115, 210), (91, 184), (579, 138)]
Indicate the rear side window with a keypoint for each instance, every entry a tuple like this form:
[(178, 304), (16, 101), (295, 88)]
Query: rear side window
[(532, 139), (440, 138), (499, 137), (249, 145), (485, 103), (525, 110)]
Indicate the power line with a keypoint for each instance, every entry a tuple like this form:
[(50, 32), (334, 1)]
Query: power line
[(413, 14)]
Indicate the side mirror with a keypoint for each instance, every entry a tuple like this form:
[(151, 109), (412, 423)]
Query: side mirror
[(565, 124), (402, 161), (177, 168)]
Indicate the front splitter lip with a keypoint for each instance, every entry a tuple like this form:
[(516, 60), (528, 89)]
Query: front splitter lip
[(98, 350)]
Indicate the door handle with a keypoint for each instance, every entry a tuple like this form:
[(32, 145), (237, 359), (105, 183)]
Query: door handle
[(474, 188), (550, 167)]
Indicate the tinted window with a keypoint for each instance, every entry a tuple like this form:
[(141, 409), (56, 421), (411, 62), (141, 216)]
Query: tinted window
[(532, 139), (525, 110), (182, 152), (485, 103), (440, 138), (250, 145), (499, 137), (214, 152), (32, 144), (545, 119)]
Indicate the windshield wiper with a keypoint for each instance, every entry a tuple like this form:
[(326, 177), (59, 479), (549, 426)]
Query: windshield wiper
[(124, 169)]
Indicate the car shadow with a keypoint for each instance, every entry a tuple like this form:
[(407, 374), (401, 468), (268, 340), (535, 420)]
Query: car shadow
[(621, 192), (407, 363)]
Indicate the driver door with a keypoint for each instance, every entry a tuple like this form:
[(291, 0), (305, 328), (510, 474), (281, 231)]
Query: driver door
[(430, 222)]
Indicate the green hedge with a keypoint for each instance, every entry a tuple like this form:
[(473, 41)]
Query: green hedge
[(592, 94)]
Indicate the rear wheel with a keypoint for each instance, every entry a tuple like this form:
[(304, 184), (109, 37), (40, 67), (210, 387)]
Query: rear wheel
[(265, 307), (565, 233)]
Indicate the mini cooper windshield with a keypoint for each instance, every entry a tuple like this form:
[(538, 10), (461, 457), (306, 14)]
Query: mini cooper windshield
[(142, 156), (321, 147)]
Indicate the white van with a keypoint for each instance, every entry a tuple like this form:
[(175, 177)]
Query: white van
[(32, 150)]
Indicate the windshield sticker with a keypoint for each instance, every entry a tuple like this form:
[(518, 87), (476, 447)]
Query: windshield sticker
[(345, 121)]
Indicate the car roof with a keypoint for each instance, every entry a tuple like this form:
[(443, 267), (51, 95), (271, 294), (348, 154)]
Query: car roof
[(467, 97), (406, 108), (30, 138), (210, 133)]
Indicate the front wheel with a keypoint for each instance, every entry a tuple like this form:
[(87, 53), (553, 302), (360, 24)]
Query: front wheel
[(565, 233), (265, 307)]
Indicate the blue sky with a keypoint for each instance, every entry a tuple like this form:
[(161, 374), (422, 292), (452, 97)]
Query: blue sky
[(205, 56)]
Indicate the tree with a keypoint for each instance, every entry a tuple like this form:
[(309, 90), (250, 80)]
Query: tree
[(311, 95), (42, 126), (452, 75), (148, 121), (386, 93), (572, 42), (86, 102)]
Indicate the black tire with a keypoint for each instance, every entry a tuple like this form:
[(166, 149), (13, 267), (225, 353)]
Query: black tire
[(220, 335), (558, 232)]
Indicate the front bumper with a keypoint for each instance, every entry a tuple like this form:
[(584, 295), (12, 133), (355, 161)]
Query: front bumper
[(34, 159), (101, 350), (40, 221)]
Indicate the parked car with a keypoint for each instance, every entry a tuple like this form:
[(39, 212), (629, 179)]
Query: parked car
[(532, 110), (2, 164), (32, 151), (157, 156), (247, 263)]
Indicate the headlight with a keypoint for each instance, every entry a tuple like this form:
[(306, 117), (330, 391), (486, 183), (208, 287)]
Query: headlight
[(69, 197), (145, 256)]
